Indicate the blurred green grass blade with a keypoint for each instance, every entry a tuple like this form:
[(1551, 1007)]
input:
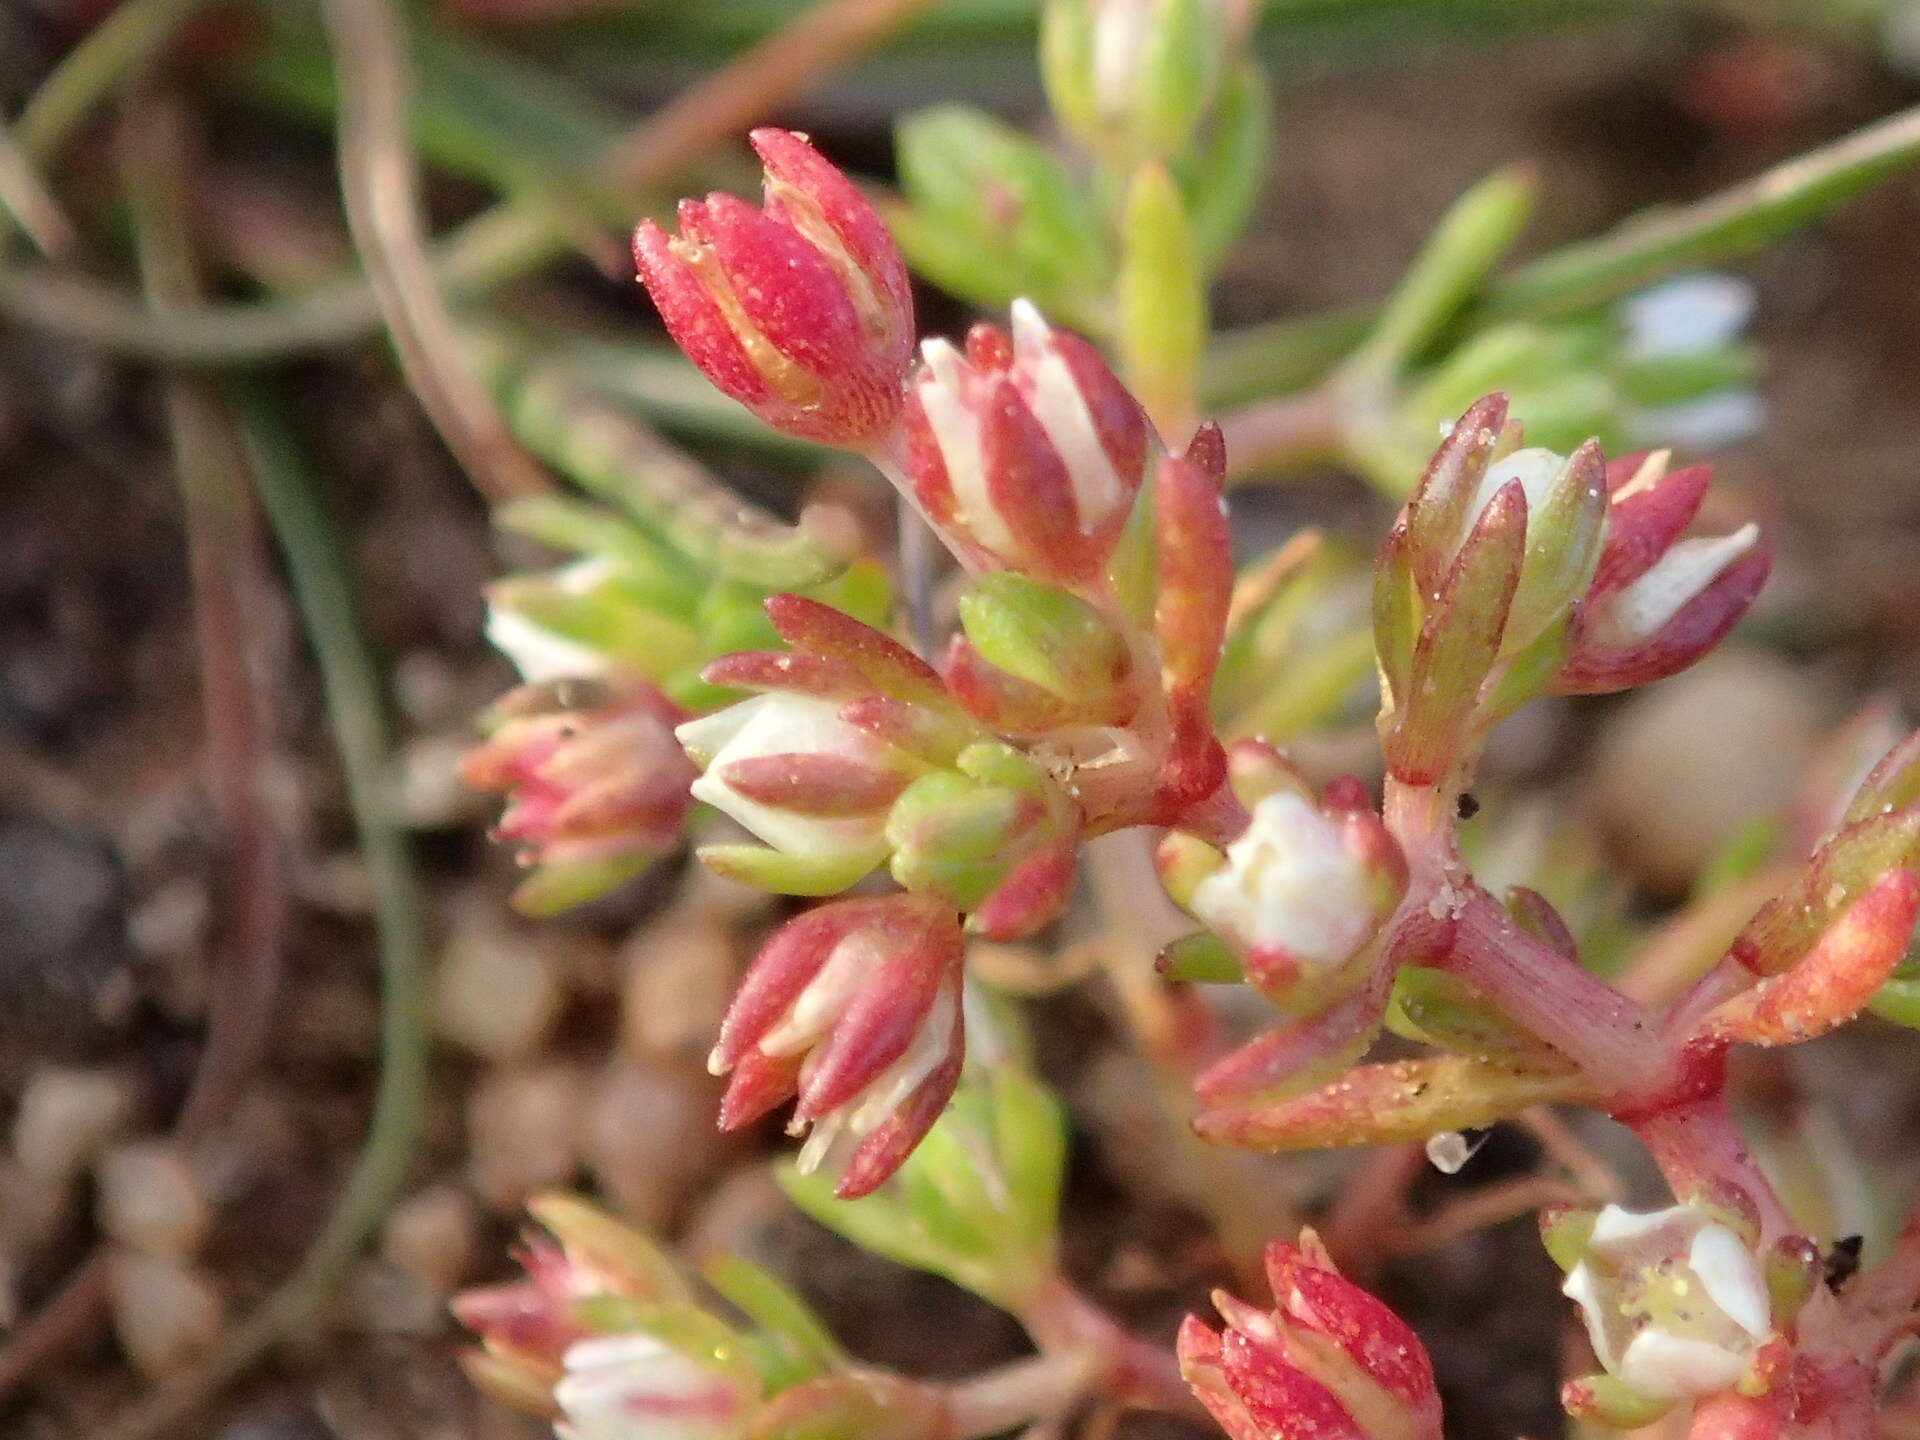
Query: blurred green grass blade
[(476, 111), (655, 380), (1735, 223), (1275, 358)]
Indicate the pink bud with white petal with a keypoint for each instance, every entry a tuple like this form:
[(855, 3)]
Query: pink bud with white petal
[(812, 766), (853, 1008), (1027, 452), (1659, 602), (801, 309), (1328, 1362), (595, 780), (528, 1327), (638, 1387)]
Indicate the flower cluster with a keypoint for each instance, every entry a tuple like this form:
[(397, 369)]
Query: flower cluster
[(1073, 700), (1077, 698)]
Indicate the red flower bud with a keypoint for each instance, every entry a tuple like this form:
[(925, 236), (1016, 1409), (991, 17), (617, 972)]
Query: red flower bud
[(1026, 452), (1328, 1362), (799, 310), (855, 1008)]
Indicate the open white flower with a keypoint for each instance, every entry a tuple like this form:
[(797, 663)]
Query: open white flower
[(1675, 1302), (1291, 886)]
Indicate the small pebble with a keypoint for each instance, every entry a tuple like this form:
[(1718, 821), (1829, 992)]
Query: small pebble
[(522, 1127), (385, 1300), (67, 1117), (431, 1237), (165, 1313), (499, 990), (150, 1200), (649, 1137), (680, 975), (1683, 765)]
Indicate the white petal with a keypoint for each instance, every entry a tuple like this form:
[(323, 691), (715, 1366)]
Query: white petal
[(956, 430), (707, 735), (1732, 1279), (540, 655), (1119, 36), (1674, 579), (1535, 469), (814, 1011), (780, 724), (1664, 1366), (680, 1399), (1616, 1225), (1289, 883), (1061, 409), (1583, 1289), (1686, 315)]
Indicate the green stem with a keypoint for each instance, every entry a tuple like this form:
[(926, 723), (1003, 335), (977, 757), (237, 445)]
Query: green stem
[(350, 682), (115, 48), (1477, 230)]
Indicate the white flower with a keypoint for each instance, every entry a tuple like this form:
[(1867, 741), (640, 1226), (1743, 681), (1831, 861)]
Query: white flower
[(783, 723), (634, 1387), (1675, 1303), (1692, 315), (1290, 885)]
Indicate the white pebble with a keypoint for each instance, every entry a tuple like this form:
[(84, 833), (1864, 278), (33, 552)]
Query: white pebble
[(165, 1313), (522, 1127), (150, 1199), (67, 1117)]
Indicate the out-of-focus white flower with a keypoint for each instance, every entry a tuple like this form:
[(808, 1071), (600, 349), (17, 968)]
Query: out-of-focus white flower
[(539, 654), (635, 1387), (1292, 886), (1685, 318), (1675, 1302), (1686, 315)]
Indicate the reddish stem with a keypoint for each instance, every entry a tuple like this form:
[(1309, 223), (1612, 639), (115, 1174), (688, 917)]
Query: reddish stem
[(1062, 1321), (1697, 1145)]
